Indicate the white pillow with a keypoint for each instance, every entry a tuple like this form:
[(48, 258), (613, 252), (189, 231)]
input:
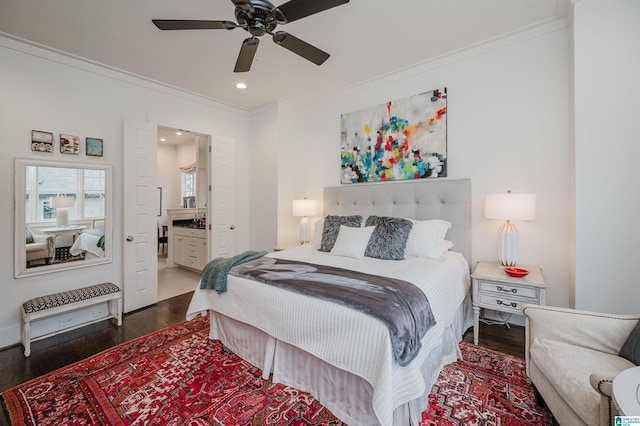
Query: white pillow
[(427, 238), (352, 242), (316, 240)]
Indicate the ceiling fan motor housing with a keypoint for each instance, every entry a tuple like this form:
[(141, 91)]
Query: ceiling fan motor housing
[(258, 19)]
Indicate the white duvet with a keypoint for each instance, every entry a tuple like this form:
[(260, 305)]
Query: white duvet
[(86, 242), (347, 339)]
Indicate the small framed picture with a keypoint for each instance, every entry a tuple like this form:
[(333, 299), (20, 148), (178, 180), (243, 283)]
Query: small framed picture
[(41, 141), (94, 147), (69, 144)]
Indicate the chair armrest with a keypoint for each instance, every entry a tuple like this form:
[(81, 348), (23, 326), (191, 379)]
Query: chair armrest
[(603, 384), (599, 331)]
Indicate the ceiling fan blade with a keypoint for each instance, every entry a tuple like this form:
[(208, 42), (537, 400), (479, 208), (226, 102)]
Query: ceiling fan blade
[(185, 24), (244, 5), (247, 52), (296, 9), (299, 47)]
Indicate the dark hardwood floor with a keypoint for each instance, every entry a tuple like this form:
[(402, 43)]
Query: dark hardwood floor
[(58, 351), (508, 340)]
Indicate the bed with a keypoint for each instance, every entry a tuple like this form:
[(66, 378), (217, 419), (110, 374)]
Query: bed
[(341, 356), (90, 243)]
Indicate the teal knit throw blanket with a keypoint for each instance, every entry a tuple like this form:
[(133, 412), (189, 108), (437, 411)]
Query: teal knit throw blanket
[(214, 276)]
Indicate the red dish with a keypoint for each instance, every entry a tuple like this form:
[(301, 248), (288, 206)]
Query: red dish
[(516, 272)]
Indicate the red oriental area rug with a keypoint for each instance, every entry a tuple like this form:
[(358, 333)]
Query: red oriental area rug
[(177, 376), (485, 388)]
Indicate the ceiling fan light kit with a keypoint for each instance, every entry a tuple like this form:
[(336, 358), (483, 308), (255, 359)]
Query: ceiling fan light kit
[(260, 17)]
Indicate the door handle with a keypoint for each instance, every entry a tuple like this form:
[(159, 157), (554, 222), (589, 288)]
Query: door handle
[(129, 238)]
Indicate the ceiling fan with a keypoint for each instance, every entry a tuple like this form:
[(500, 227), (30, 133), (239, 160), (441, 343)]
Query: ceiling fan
[(260, 17)]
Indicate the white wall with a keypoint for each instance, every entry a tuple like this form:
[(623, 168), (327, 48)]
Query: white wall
[(508, 128), (42, 90), (264, 177), (607, 150), (272, 187)]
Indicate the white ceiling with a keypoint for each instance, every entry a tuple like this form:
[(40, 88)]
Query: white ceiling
[(170, 136), (366, 39)]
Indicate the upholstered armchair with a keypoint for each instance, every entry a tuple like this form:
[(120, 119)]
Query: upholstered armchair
[(572, 358), (39, 247)]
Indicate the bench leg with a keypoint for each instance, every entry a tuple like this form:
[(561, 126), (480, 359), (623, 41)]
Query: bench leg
[(26, 337), (119, 308), (115, 309)]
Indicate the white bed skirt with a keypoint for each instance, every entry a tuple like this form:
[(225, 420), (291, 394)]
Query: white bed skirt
[(346, 395)]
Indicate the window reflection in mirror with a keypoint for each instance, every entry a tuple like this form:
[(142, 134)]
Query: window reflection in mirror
[(62, 216)]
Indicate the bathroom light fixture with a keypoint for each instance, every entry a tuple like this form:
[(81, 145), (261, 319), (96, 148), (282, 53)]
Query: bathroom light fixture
[(304, 208), (241, 86), (509, 206)]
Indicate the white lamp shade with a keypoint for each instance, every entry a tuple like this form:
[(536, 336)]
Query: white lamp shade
[(304, 207), (510, 206), (61, 201)]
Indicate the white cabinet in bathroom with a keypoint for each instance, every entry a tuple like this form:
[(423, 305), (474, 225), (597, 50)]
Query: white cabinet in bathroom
[(190, 247)]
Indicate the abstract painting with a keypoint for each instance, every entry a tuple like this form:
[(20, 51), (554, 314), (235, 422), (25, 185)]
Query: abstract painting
[(403, 139)]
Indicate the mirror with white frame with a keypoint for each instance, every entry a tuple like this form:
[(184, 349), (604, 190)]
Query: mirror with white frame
[(63, 216)]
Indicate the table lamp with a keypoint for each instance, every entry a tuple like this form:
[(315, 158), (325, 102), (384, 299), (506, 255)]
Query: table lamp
[(61, 204), (509, 206), (304, 208)]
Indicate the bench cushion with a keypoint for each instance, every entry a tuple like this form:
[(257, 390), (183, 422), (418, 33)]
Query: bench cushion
[(43, 303)]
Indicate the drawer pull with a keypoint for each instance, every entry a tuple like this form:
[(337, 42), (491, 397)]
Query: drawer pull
[(513, 290), (513, 304)]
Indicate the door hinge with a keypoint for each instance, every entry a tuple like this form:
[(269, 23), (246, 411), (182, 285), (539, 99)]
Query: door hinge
[(209, 188)]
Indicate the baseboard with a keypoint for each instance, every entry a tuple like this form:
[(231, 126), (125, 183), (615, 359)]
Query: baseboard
[(10, 336)]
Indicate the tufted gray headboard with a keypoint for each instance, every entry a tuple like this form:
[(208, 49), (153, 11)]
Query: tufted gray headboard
[(422, 199)]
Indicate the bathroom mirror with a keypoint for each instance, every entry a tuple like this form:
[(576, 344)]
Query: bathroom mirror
[(63, 216)]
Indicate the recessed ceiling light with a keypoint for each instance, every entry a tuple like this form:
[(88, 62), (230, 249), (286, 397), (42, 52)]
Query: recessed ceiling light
[(241, 86), (179, 133), (163, 140)]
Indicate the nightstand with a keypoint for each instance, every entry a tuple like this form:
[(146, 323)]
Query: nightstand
[(492, 288)]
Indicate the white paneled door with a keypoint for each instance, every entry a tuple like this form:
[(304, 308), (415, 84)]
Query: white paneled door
[(223, 189), (140, 262)]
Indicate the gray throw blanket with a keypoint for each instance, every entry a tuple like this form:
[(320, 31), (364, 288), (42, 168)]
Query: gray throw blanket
[(402, 306), (214, 275)]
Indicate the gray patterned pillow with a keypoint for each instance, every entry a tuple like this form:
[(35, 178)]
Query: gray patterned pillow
[(631, 348), (332, 228), (389, 238)]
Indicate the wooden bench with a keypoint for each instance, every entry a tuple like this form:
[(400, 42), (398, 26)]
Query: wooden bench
[(55, 304)]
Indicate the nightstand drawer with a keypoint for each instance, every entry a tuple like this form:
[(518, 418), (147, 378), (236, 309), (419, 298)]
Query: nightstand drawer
[(500, 303), (508, 290)]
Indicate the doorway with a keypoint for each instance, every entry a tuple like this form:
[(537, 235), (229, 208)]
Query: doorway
[(182, 183), (141, 214)]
